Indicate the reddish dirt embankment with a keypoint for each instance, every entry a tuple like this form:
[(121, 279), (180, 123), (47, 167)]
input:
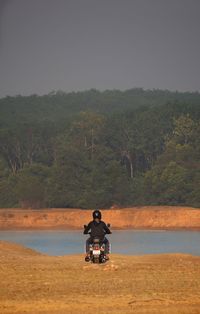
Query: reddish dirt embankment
[(150, 217)]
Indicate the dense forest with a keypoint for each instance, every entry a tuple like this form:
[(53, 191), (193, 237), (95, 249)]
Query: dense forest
[(100, 149)]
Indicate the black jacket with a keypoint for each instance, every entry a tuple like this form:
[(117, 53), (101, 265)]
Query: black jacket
[(98, 229)]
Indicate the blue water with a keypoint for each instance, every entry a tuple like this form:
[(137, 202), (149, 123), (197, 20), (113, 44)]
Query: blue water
[(125, 242)]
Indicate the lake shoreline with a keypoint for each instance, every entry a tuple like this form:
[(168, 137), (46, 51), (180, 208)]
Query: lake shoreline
[(134, 218)]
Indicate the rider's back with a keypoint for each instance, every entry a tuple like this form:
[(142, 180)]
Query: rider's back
[(98, 229)]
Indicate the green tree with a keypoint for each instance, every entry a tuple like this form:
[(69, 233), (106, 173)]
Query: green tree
[(31, 186)]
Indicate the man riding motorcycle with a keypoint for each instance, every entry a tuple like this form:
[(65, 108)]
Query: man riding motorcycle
[(97, 229)]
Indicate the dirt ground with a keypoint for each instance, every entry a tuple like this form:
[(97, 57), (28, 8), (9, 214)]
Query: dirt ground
[(33, 283)]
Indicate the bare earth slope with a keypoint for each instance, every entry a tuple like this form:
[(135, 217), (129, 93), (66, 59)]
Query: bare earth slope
[(35, 283), (150, 217)]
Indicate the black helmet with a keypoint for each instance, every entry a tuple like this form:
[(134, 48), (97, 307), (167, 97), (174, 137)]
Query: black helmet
[(96, 214)]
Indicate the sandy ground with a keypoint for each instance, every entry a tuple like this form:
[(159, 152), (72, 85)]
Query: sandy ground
[(36, 283)]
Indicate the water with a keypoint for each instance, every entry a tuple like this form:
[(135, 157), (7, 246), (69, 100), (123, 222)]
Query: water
[(125, 242)]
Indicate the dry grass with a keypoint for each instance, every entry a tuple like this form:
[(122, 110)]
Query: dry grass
[(34, 283)]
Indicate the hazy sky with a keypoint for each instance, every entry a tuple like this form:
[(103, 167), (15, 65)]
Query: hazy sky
[(75, 45)]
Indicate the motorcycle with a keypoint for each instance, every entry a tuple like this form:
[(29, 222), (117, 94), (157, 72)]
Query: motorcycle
[(97, 251)]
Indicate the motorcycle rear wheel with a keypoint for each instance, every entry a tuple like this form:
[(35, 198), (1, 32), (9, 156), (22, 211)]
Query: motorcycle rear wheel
[(96, 259)]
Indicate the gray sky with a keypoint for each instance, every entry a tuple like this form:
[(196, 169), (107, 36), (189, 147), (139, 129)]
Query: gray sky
[(75, 45)]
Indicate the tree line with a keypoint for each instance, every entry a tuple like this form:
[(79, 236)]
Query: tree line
[(99, 149)]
